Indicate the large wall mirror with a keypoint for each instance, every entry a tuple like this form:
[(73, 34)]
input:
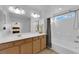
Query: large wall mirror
[(2, 19)]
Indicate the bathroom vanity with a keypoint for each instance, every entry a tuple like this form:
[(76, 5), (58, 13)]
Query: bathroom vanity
[(23, 44)]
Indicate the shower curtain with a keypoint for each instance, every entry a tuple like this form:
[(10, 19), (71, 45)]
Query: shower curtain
[(48, 41)]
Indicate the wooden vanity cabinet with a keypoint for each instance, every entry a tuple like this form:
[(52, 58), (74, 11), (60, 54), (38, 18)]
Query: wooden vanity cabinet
[(36, 44), (26, 48)]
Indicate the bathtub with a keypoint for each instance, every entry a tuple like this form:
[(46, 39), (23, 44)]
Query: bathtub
[(65, 47), (65, 43)]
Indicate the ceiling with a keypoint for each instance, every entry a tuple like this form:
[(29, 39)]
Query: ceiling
[(44, 10)]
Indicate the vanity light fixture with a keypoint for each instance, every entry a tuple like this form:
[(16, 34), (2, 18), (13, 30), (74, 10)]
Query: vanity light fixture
[(59, 8), (11, 9), (16, 10)]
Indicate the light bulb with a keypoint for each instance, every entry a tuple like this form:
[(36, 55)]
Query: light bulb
[(60, 9), (17, 11), (11, 9), (22, 12), (35, 15)]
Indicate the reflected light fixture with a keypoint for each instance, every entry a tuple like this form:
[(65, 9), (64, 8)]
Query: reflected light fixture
[(35, 15)]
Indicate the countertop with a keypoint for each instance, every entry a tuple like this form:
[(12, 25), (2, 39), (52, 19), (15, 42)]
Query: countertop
[(19, 36)]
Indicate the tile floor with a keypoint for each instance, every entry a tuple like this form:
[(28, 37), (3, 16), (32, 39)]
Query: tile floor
[(47, 51)]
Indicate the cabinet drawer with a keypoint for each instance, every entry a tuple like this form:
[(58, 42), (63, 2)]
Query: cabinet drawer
[(28, 40), (40, 37), (35, 38), (19, 42), (43, 36), (5, 45)]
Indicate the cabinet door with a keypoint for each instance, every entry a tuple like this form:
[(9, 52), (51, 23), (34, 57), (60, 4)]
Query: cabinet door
[(42, 42), (26, 48), (11, 50), (36, 45), (6, 45)]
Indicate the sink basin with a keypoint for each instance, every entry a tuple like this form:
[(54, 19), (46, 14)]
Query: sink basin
[(19, 35)]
